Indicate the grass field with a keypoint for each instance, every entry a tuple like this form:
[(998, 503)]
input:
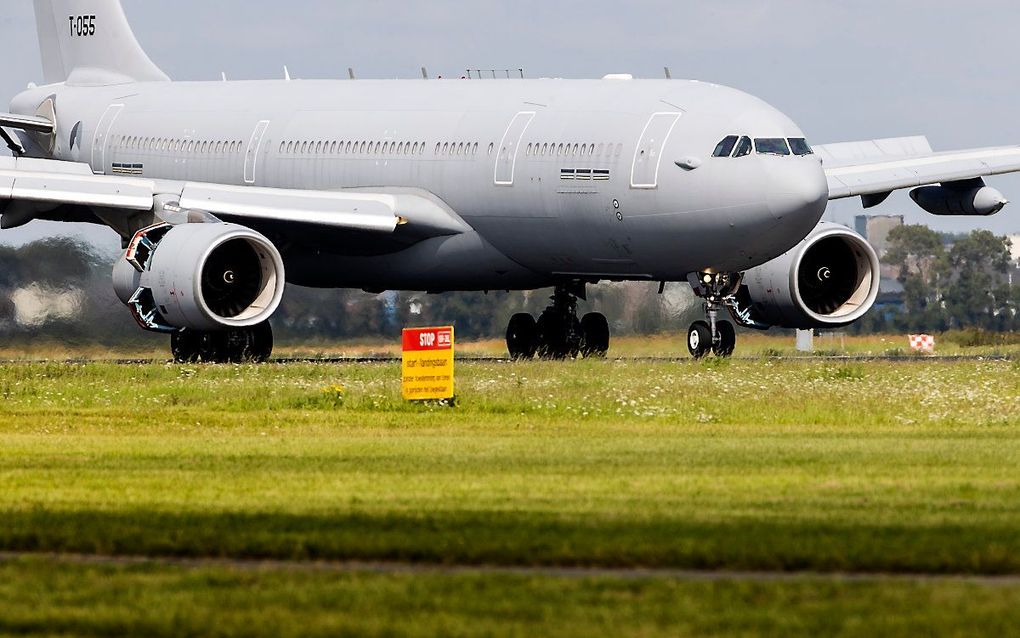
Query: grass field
[(765, 465)]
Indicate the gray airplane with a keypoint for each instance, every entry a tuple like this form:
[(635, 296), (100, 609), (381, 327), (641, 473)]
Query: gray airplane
[(225, 191)]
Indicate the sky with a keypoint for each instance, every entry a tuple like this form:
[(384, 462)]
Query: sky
[(842, 70)]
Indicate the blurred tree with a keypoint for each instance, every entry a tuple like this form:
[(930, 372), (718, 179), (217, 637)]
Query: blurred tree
[(920, 256), (979, 294)]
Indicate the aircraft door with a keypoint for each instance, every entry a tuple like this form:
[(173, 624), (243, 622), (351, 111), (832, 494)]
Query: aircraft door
[(251, 156), (648, 154), (102, 138), (506, 159)]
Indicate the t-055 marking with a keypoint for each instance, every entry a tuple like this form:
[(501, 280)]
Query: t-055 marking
[(82, 26)]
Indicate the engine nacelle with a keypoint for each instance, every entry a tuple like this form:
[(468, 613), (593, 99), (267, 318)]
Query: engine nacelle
[(200, 276), (971, 197), (830, 279)]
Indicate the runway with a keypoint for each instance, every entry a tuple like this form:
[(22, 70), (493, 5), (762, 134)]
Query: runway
[(472, 359)]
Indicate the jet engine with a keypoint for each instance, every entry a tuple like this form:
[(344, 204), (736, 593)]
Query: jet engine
[(828, 280), (969, 197), (199, 276)]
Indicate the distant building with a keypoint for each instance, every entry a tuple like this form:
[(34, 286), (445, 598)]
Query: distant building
[(1015, 249), (876, 229)]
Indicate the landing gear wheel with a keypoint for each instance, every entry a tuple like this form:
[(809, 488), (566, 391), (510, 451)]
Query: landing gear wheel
[(522, 337), (262, 349), (727, 340), (184, 345), (248, 345), (699, 339), (553, 337), (195, 346), (595, 331), (239, 345)]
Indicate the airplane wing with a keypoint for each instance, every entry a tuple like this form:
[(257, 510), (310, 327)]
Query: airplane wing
[(39, 185), (872, 169)]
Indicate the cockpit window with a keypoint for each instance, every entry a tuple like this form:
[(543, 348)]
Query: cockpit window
[(743, 147), (725, 147), (771, 146), (800, 146)]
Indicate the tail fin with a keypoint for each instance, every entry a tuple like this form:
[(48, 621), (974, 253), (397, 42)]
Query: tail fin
[(90, 42)]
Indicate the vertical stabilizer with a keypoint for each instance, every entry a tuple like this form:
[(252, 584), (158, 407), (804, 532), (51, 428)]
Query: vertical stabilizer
[(89, 42)]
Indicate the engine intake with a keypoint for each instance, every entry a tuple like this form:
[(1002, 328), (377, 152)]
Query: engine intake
[(830, 279), (200, 276)]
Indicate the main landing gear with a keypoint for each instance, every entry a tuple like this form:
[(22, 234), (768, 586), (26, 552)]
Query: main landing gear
[(714, 335), (558, 334), (236, 345)]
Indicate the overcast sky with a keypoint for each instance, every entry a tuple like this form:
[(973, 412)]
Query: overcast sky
[(842, 70)]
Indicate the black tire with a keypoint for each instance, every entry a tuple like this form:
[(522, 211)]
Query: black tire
[(248, 345), (522, 337), (184, 345), (553, 336), (262, 348), (595, 328), (197, 346), (699, 339), (727, 339)]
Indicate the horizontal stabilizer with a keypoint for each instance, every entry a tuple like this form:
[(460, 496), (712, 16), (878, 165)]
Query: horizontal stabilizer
[(32, 123)]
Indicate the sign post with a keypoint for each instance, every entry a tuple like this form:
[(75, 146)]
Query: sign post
[(427, 364)]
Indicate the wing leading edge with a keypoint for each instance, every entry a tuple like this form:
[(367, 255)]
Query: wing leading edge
[(877, 167)]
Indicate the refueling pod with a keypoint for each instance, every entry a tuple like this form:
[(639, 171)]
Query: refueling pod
[(969, 197), (205, 276), (829, 279)]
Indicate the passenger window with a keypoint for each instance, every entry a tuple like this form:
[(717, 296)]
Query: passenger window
[(743, 147), (771, 146), (725, 147), (800, 146)]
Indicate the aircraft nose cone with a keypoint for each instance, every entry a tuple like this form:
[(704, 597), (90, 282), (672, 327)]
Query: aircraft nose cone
[(797, 191)]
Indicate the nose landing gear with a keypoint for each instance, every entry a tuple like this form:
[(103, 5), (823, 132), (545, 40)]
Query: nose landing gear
[(715, 335), (558, 334)]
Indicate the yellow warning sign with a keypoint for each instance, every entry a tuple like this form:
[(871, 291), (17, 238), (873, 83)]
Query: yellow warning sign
[(427, 364)]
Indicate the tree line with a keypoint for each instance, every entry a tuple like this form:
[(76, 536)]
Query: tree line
[(60, 290), (949, 282)]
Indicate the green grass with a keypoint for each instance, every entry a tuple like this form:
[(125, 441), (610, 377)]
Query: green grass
[(889, 467), (165, 600)]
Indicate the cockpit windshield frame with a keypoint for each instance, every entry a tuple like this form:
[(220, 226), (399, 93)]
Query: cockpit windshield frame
[(725, 147), (744, 147), (800, 147), (771, 146)]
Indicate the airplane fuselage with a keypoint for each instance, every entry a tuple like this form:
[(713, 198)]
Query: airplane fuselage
[(558, 179)]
